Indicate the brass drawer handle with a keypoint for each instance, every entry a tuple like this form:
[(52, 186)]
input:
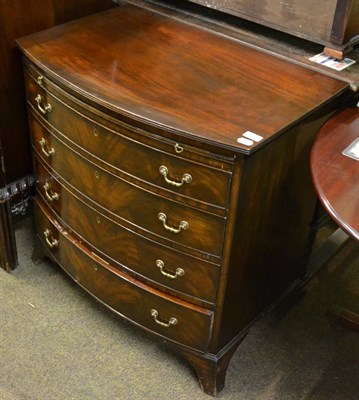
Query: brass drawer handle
[(48, 153), (50, 240), (161, 265), (40, 80), (183, 224), (51, 196), (186, 178), (172, 320), (44, 108), (178, 148)]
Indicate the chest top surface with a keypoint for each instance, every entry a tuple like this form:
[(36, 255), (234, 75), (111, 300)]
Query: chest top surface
[(177, 76)]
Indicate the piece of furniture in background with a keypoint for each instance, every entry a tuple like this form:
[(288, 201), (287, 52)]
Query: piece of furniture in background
[(333, 23), (18, 18), (335, 175), (172, 169), (336, 180)]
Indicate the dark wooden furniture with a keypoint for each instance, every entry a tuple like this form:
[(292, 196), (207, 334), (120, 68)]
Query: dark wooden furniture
[(336, 179), (148, 191), (333, 23), (336, 176), (17, 19)]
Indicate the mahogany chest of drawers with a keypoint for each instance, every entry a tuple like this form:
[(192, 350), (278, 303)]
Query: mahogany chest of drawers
[(150, 193)]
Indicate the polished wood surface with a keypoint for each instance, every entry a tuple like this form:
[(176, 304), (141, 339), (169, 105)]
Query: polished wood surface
[(197, 92), (140, 208), (137, 254), (336, 176), (336, 180), (133, 152), (126, 296), (18, 19), (157, 83)]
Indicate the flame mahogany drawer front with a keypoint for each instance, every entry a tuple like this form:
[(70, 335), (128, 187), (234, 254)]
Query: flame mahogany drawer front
[(172, 171), (161, 314), (126, 249), (172, 221)]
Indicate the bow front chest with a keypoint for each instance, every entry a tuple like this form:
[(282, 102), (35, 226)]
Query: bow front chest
[(172, 174)]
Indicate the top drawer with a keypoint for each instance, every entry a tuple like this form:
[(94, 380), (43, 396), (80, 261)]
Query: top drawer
[(177, 168)]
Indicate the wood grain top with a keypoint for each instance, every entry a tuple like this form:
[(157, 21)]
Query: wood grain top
[(178, 77), (336, 177)]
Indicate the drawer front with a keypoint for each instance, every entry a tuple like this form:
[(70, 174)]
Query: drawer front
[(178, 321), (172, 221), (175, 270), (170, 171)]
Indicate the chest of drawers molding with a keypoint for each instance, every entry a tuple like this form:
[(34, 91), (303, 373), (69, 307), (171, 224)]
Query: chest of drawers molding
[(204, 231), (120, 292), (180, 233), (137, 254), (91, 123)]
